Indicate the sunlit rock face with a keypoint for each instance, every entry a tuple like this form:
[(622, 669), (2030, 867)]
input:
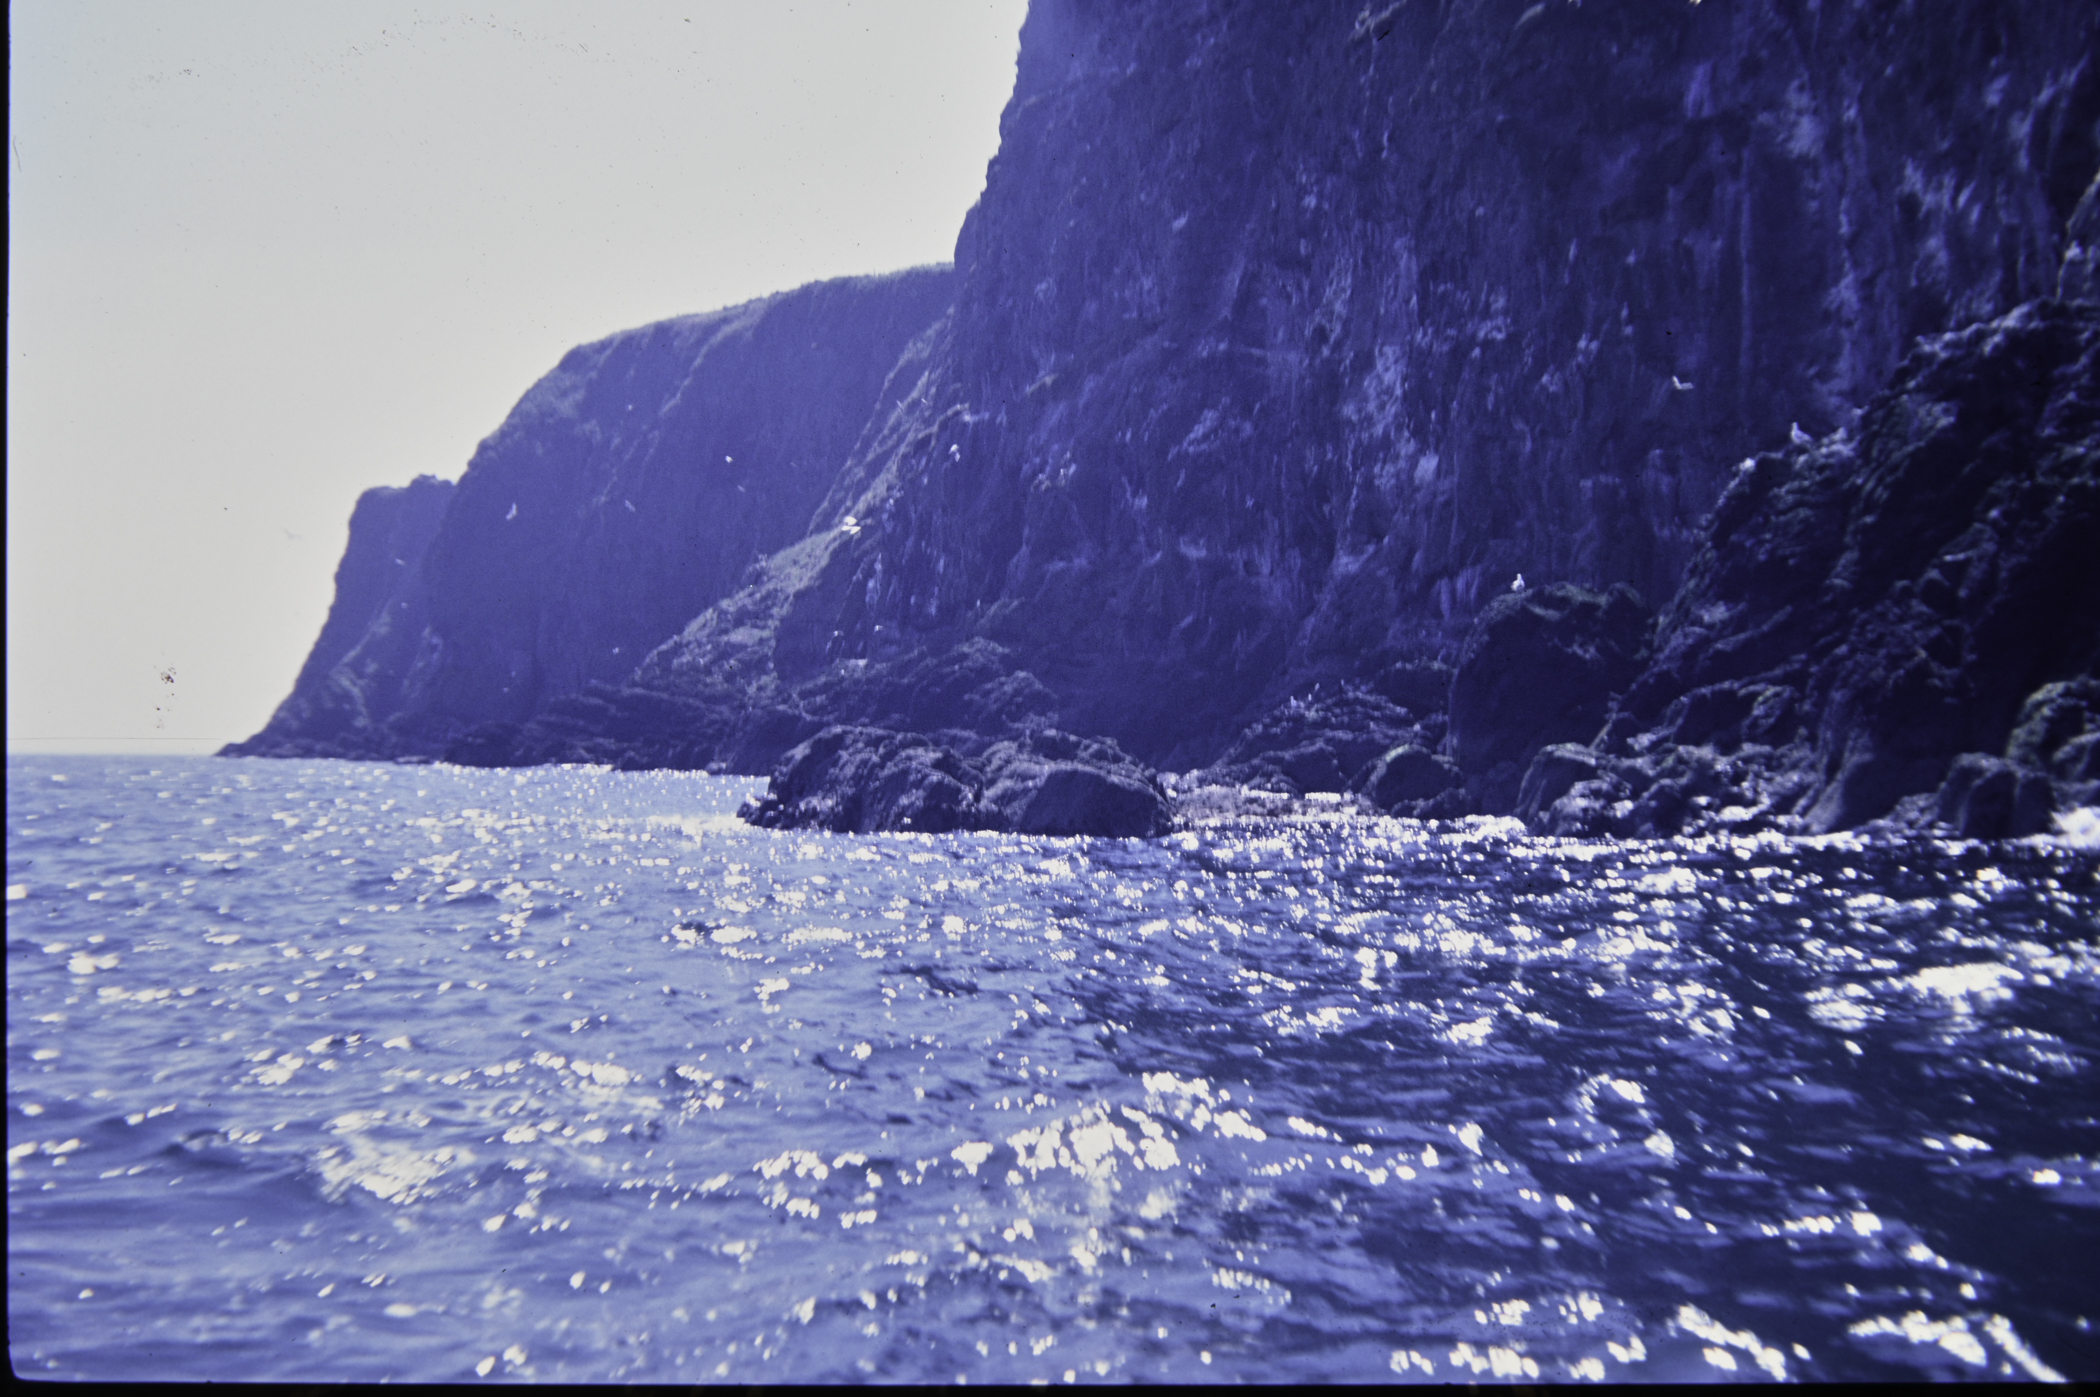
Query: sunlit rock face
[(629, 489), (1289, 334)]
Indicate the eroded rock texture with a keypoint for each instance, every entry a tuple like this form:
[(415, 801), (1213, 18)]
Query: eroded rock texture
[(1329, 742), (858, 780), (1283, 339), (1896, 621), (628, 490), (1289, 334), (1541, 667)]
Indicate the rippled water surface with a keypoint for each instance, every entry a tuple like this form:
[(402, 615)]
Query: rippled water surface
[(336, 1071)]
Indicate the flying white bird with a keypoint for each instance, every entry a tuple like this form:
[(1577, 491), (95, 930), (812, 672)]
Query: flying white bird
[(1516, 584)]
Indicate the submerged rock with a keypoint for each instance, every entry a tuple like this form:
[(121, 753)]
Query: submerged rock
[(860, 780)]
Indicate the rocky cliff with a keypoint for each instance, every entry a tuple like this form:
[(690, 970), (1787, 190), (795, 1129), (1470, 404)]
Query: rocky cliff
[(1289, 335), (1287, 339), (630, 488), (1884, 621), (380, 601)]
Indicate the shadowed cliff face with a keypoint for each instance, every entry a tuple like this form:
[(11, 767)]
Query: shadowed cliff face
[(629, 489), (1880, 612), (379, 599), (1288, 334), (1283, 339), (389, 529)]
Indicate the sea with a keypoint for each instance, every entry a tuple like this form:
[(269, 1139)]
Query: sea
[(325, 1071)]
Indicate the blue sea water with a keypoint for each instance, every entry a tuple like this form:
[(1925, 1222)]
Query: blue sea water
[(324, 1071)]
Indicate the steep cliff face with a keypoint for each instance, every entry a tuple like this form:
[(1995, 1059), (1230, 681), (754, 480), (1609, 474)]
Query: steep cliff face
[(1879, 621), (1288, 334), (1282, 340), (629, 489), (378, 592)]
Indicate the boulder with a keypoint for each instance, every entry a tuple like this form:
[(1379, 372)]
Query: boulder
[(1587, 810), (1987, 797), (1321, 742), (859, 780), (1414, 782), (855, 780), (1053, 783), (2058, 732), (1541, 667), (1554, 772)]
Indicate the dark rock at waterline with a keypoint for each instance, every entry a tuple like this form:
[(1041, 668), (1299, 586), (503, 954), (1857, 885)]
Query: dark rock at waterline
[(1509, 290), (2051, 762), (1414, 782), (2058, 731), (1541, 667), (635, 730), (859, 780), (1891, 623), (1054, 783), (1574, 790), (1987, 797), (1554, 771), (1324, 742)]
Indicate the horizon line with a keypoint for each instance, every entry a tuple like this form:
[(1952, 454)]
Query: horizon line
[(115, 746)]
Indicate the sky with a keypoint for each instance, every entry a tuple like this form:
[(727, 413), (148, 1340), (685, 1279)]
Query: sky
[(263, 256)]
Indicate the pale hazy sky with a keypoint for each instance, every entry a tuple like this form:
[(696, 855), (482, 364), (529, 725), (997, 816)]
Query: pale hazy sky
[(264, 255)]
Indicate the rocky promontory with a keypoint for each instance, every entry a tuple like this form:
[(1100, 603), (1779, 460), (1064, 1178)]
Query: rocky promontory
[(632, 487), (1288, 336), (379, 602), (1319, 403)]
